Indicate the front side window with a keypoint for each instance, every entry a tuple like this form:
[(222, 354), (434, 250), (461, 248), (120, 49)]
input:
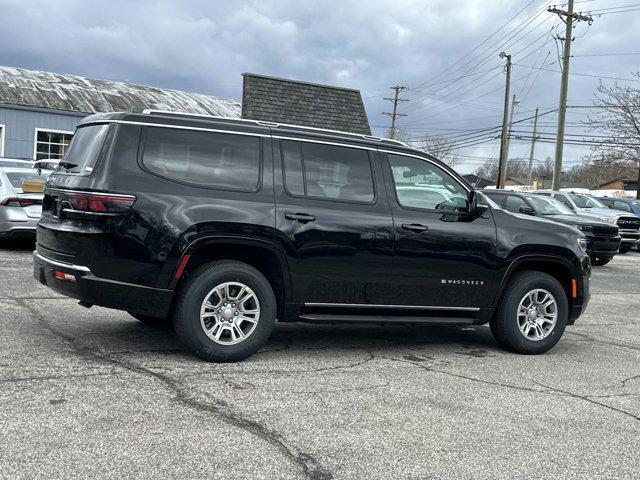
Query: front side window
[(51, 144), (514, 203), (421, 184), (564, 200), (215, 160), (327, 171), (618, 205)]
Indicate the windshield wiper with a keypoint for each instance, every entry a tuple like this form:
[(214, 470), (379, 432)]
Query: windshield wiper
[(67, 165)]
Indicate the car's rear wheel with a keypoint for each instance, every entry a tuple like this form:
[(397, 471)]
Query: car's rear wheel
[(600, 261), (225, 311), (532, 315)]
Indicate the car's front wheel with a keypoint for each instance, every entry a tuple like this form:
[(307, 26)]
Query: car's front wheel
[(532, 315), (225, 311)]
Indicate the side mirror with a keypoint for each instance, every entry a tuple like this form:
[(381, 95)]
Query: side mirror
[(526, 210), (473, 201)]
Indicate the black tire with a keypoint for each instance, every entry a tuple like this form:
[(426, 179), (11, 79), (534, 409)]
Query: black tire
[(600, 261), (504, 325), (192, 295), (624, 249), (148, 320)]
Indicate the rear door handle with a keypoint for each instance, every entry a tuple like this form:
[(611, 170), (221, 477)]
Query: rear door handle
[(415, 227), (301, 217)]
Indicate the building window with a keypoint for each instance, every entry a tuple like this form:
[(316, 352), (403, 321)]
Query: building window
[(1, 140), (51, 143)]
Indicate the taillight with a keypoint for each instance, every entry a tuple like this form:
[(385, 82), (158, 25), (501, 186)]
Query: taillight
[(91, 202), (110, 203), (21, 202)]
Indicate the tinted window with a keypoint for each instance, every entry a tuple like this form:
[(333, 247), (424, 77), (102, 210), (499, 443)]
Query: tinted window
[(496, 197), (292, 160), (84, 148), (618, 205), (420, 184), (514, 203), (217, 160), (564, 200), (327, 171)]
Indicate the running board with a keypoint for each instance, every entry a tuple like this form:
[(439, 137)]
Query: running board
[(328, 318)]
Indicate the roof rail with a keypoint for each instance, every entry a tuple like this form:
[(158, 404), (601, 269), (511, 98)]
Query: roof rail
[(149, 111)]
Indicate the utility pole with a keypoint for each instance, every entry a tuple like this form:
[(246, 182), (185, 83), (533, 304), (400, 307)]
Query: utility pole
[(533, 146), (396, 99), (568, 17), (504, 145), (514, 102)]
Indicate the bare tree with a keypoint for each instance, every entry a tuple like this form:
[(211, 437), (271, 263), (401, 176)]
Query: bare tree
[(441, 148), (617, 114)]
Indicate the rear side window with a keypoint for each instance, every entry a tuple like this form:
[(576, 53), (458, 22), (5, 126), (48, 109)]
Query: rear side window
[(327, 171), (213, 160), (84, 149)]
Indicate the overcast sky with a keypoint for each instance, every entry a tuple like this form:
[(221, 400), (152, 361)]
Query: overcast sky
[(204, 46)]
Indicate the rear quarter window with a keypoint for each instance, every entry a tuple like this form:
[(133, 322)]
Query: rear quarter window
[(204, 159), (84, 149)]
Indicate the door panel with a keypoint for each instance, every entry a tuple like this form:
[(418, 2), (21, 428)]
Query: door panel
[(450, 262), (339, 247)]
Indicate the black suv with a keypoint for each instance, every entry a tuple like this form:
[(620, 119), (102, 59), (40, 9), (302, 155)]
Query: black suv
[(225, 225), (603, 239)]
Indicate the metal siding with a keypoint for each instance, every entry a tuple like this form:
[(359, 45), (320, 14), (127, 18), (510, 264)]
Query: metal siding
[(20, 127)]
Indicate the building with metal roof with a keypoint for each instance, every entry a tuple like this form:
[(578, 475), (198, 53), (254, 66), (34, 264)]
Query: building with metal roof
[(39, 110)]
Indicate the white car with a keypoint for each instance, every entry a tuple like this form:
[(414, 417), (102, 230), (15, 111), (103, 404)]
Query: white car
[(15, 163), (19, 211)]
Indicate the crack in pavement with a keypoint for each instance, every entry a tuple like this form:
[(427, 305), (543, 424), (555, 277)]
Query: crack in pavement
[(549, 390), (612, 343), (590, 399), (36, 378), (307, 463)]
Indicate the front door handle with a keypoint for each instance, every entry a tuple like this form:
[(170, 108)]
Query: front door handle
[(301, 217), (415, 227)]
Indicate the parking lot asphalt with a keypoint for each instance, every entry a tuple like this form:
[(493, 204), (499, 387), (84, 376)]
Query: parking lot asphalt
[(95, 394)]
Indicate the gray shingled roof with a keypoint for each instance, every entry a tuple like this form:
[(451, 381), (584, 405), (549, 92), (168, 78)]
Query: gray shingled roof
[(57, 91), (301, 103)]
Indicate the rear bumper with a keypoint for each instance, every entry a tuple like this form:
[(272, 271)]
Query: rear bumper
[(94, 290)]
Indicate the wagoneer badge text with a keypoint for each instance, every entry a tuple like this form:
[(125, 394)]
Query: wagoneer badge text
[(450, 281)]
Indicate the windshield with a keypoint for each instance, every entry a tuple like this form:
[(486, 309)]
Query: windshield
[(548, 206), (84, 149), (636, 203), (585, 201)]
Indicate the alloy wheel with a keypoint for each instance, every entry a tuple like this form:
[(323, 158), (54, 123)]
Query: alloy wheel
[(537, 314), (229, 313)]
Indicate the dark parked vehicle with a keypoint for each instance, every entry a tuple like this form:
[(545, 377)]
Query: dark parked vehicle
[(603, 239), (588, 206), (225, 225)]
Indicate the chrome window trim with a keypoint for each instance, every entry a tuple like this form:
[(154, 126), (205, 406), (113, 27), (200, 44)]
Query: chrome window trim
[(150, 111), (80, 268), (177, 127), (411, 307)]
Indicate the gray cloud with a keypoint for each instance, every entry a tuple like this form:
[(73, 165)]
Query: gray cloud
[(204, 46)]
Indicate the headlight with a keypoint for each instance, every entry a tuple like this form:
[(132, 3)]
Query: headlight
[(585, 228), (607, 220), (582, 243)]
